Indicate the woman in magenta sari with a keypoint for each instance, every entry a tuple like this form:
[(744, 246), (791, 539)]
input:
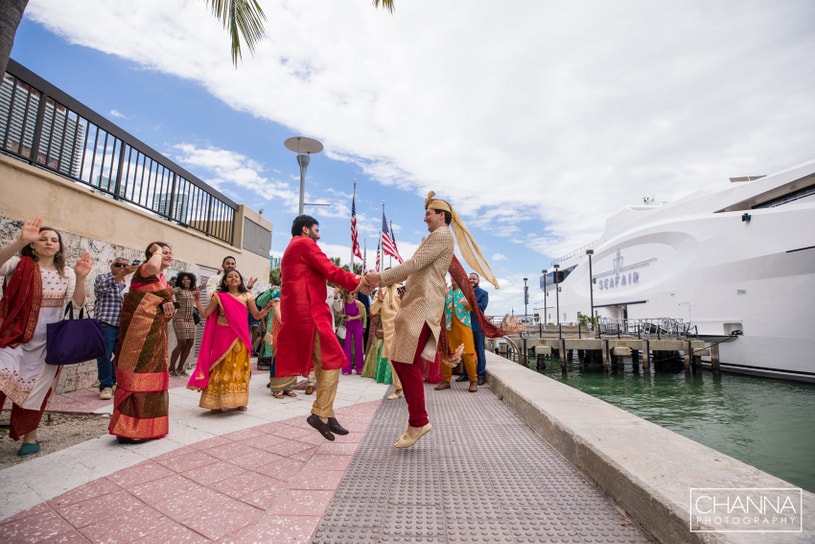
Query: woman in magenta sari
[(223, 370)]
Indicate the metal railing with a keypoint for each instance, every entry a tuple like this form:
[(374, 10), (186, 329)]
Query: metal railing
[(43, 126), (648, 327)]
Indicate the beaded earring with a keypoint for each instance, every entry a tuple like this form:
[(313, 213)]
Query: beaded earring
[(33, 252), (58, 254)]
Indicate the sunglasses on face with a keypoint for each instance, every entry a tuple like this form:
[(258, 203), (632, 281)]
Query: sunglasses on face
[(119, 265)]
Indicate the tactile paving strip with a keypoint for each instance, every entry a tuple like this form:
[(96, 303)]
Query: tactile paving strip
[(480, 476)]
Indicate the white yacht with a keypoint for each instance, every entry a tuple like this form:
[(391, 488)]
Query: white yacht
[(735, 265)]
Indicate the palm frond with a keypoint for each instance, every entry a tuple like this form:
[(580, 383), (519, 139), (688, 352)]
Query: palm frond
[(243, 19), (387, 4)]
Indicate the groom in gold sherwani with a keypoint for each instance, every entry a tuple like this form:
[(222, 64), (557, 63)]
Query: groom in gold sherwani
[(418, 322)]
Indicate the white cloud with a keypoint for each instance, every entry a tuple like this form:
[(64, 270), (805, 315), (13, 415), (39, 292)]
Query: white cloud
[(540, 118)]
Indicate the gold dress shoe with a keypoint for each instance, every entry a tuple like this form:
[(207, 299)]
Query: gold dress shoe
[(395, 395), (442, 385), (406, 441), (473, 387)]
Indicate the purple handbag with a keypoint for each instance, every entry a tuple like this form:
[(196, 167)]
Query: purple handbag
[(72, 341)]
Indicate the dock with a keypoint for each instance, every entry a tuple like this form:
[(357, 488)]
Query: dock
[(541, 344)]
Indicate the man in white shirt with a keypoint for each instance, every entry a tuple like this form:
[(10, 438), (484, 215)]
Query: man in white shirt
[(229, 263)]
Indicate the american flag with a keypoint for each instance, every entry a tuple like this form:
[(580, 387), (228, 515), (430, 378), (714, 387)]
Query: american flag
[(388, 241), (378, 252), (354, 235)]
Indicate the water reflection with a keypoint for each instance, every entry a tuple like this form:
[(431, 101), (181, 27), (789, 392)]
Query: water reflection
[(769, 424)]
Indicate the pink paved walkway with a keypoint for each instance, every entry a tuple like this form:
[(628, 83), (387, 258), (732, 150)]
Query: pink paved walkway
[(270, 483)]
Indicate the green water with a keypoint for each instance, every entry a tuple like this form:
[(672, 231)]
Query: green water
[(769, 424)]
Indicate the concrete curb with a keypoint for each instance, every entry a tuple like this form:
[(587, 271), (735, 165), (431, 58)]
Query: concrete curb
[(646, 470)]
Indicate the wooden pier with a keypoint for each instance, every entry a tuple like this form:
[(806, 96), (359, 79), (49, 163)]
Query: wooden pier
[(541, 346)]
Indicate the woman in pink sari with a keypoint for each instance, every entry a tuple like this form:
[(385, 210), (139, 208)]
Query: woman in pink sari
[(223, 370)]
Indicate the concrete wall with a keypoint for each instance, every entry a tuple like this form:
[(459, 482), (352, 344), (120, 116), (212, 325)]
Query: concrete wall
[(106, 228), (71, 207), (647, 470)]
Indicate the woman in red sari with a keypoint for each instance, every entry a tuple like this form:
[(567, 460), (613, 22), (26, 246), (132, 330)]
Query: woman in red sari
[(223, 370), (141, 401)]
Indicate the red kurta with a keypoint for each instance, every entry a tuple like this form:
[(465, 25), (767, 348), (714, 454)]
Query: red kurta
[(304, 271)]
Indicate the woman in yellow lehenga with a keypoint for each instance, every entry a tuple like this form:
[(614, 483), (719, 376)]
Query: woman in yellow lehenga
[(223, 370)]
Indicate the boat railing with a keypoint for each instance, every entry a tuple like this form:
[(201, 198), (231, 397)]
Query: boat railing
[(655, 327), (645, 327)]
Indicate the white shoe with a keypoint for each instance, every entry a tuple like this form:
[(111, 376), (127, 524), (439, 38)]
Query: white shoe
[(106, 393)]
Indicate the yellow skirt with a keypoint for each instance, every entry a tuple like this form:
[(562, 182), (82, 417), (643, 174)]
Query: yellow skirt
[(229, 381)]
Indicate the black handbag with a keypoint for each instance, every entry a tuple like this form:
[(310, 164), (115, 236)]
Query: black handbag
[(196, 317), (72, 341)]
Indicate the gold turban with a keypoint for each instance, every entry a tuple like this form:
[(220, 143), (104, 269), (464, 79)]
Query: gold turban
[(466, 243)]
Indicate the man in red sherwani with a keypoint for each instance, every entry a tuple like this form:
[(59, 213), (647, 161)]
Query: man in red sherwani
[(306, 339)]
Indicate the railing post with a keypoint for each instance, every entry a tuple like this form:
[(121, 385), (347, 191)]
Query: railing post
[(117, 186), (38, 123)]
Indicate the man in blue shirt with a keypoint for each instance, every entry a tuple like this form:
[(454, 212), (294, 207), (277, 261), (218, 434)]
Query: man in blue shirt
[(108, 289), (482, 298)]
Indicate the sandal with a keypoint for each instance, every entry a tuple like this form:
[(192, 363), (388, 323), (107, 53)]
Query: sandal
[(290, 393), (278, 394)]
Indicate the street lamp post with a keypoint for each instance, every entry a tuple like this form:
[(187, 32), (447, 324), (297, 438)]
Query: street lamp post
[(557, 293), (526, 297), (590, 252), (545, 310), (301, 145)]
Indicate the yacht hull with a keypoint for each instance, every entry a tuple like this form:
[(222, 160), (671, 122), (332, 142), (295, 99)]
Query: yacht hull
[(726, 266)]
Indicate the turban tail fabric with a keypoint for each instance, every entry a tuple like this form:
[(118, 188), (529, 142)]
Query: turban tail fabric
[(466, 243)]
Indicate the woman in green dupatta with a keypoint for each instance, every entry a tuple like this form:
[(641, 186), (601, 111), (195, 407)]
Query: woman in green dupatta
[(141, 401)]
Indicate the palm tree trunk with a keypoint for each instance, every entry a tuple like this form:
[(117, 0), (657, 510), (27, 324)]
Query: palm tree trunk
[(11, 13)]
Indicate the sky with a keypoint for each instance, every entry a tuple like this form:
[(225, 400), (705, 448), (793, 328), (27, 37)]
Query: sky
[(536, 120)]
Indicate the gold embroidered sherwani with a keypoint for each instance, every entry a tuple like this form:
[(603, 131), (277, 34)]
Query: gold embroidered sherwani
[(425, 291)]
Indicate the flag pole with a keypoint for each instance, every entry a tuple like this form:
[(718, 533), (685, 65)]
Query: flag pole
[(382, 255), (353, 198)]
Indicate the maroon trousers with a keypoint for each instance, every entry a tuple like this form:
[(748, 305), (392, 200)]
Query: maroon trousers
[(413, 383), (23, 421)]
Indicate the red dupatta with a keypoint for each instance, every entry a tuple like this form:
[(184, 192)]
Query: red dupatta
[(218, 340), (488, 327), (20, 306)]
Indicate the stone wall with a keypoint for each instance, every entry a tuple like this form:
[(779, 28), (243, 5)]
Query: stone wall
[(106, 228)]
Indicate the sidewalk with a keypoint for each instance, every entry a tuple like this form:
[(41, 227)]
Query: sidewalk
[(264, 475)]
